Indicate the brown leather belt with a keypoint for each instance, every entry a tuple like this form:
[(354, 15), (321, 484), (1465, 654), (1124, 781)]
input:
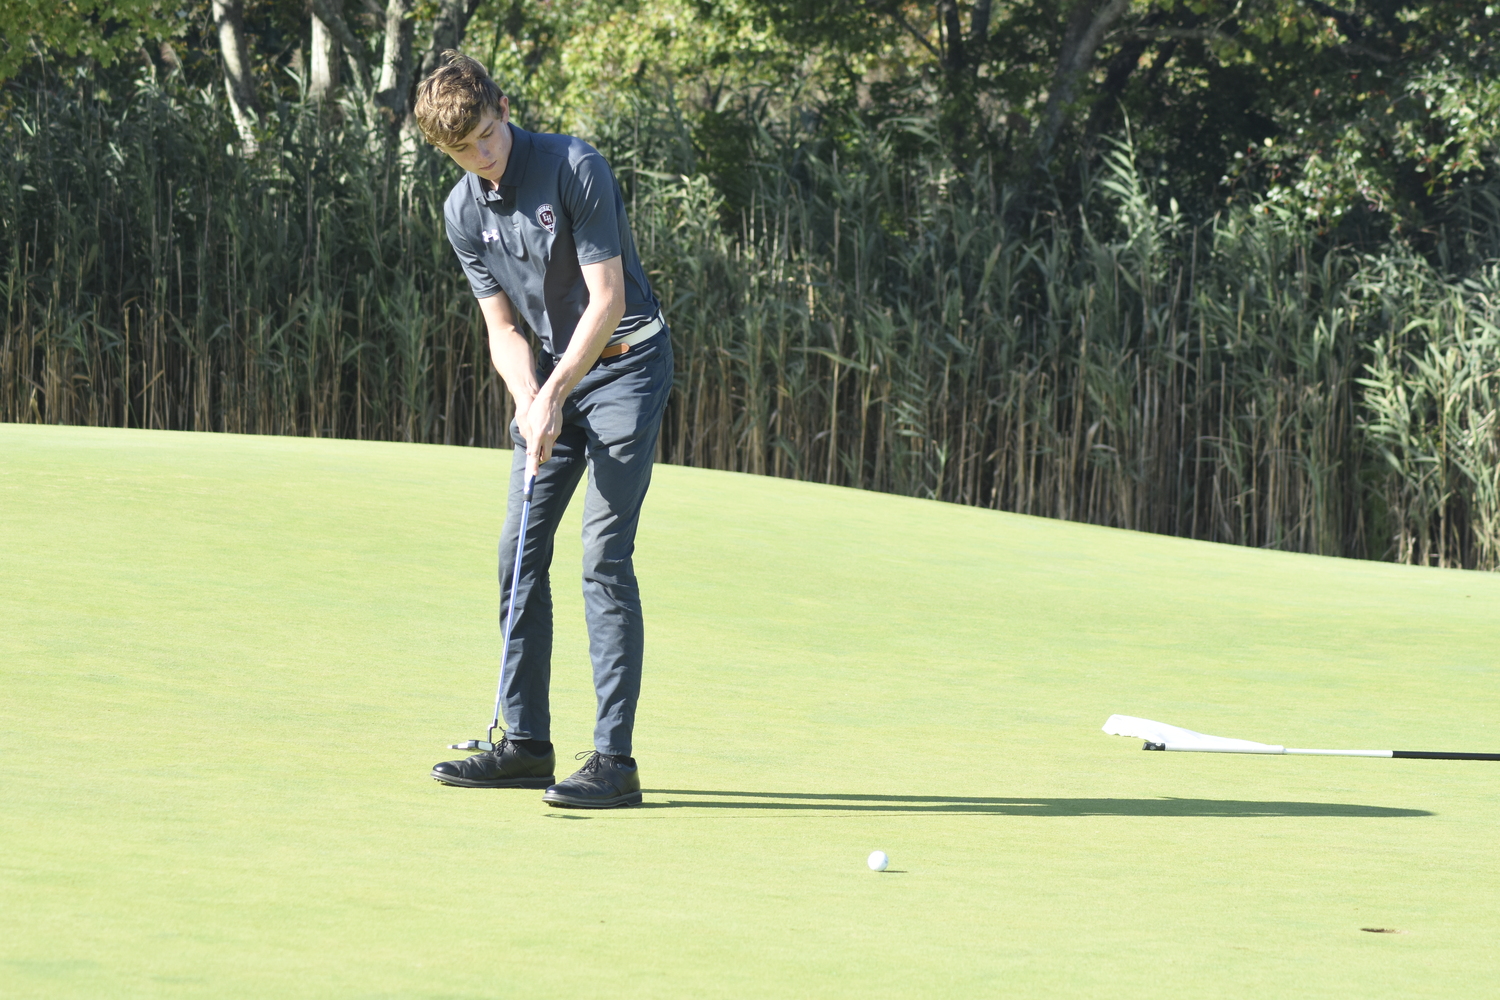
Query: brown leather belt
[(628, 341)]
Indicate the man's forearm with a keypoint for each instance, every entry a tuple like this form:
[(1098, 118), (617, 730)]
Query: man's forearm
[(542, 422), (593, 331), (511, 355)]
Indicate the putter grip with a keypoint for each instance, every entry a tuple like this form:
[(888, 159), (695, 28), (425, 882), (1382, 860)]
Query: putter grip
[(1153, 746)]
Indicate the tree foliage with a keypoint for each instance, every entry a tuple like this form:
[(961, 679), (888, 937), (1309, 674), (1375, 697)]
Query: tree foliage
[(1358, 115), (102, 31)]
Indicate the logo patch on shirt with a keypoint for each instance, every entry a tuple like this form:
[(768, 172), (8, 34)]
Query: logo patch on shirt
[(547, 219), (490, 235)]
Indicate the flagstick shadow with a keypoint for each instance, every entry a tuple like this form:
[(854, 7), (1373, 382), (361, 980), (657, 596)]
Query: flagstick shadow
[(1021, 805)]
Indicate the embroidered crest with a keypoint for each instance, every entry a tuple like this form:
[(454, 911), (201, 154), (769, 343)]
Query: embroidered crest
[(547, 219)]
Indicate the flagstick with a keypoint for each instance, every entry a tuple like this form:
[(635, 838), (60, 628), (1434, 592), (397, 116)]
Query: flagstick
[(1160, 736), (1274, 751)]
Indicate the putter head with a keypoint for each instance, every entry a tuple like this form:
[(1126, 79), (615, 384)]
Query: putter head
[(481, 745)]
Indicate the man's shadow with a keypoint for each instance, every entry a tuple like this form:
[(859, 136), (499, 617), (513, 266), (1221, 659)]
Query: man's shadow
[(1019, 805)]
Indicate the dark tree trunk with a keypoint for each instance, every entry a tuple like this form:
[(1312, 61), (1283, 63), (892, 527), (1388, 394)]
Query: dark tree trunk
[(962, 54), (1086, 29), (447, 31), (1122, 67)]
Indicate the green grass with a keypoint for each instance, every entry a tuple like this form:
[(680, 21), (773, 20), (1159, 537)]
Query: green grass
[(227, 664)]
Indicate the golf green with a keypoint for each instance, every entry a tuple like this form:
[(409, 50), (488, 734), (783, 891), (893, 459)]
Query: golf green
[(228, 663)]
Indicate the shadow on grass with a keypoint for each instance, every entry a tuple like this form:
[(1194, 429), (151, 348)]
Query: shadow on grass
[(1021, 805)]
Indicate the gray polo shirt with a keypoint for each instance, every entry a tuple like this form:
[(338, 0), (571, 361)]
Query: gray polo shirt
[(557, 208)]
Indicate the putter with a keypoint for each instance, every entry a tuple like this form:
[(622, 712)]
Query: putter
[(1160, 736), (510, 622)]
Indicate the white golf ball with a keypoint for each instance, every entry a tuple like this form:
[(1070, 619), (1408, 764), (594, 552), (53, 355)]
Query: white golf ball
[(877, 861)]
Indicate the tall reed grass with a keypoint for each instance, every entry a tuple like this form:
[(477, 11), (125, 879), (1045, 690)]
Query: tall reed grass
[(153, 278), (862, 319)]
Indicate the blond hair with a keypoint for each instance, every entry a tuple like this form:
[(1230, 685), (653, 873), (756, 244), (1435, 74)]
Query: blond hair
[(454, 97)]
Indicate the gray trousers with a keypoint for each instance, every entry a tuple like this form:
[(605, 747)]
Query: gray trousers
[(610, 425)]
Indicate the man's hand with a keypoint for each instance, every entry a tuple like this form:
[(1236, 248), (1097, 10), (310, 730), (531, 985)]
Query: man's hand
[(606, 284), (540, 423), (539, 410)]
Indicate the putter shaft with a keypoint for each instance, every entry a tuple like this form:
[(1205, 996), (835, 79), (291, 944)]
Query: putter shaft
[(510, 612)]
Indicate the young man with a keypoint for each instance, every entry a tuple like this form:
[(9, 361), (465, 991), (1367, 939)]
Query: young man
[(539, 226)]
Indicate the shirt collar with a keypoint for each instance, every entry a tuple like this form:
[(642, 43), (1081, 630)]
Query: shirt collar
[(520, 156), (515, 169)]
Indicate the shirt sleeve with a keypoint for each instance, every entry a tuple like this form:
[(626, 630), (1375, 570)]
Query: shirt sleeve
[(481, 281), (594, 208)]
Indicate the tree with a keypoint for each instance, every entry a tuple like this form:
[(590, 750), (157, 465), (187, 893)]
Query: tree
[(324, 49), (1355, 113), (1375, 107), (103, 30), (234, 50)]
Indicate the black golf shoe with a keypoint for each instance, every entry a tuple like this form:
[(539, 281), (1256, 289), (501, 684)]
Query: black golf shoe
[(509, 765), (603, 782)]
